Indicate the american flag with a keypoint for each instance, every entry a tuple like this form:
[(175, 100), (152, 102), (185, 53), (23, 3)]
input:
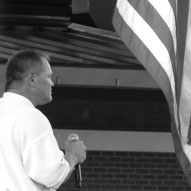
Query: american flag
[(158, 33)]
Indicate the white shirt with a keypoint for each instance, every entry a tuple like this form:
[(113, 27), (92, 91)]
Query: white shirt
[(30, 159)]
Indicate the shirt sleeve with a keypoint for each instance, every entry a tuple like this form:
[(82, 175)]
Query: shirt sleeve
[(42, 158)]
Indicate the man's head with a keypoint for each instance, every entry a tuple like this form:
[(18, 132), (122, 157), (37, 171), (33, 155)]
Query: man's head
[(28, 73)]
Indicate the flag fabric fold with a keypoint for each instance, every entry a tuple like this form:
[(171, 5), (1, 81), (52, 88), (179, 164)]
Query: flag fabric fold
[(158, 33)]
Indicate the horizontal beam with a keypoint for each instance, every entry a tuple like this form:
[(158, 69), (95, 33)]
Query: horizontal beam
[(120, 140)]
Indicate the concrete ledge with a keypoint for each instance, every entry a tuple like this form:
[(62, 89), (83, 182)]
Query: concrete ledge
[(120, 140)]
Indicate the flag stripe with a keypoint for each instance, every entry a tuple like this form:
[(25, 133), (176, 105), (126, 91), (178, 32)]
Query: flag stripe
[(184, 71), (173, 4), (182, 14), (168, 16), (161, 21)]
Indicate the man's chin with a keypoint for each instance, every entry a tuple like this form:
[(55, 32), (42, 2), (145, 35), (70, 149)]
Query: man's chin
[(46, 101), (49, 100)]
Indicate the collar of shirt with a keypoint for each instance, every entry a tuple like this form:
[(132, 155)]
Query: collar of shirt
[(17, 97)]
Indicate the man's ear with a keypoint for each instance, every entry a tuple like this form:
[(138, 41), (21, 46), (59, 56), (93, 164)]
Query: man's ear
[(32, 79)]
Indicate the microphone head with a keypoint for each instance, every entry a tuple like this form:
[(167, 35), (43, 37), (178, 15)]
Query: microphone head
[(73, 137)]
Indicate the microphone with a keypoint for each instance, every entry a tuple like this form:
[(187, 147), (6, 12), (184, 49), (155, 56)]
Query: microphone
[(78, 173)]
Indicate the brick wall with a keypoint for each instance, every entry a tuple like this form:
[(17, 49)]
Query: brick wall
[(132, 171)]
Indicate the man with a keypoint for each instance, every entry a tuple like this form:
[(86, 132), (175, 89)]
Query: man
[(30, 159)]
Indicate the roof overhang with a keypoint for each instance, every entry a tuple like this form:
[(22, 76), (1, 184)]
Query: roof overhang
[(80, 55)]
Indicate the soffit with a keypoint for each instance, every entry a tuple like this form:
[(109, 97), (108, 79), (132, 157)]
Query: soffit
[(76, 45)]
